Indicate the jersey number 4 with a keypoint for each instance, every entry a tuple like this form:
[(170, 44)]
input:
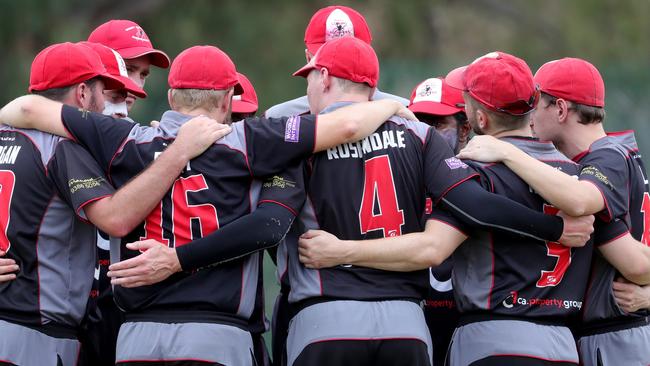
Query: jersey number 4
[(563, 255), (379, 207), (7, 183), (183, 213), (645, 210)]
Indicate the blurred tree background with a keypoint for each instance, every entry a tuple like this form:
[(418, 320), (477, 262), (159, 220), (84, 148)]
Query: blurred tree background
[(414, 39)]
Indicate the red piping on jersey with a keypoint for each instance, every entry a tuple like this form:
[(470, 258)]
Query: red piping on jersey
[(531, 356), (471, 176), (609, 211), (65, 127), (620, 133), (448, 224), (581, 155), (166, 360), (38, 267), (614, 239), (489, 299), (115, 154), (81, 207), (280, 204)]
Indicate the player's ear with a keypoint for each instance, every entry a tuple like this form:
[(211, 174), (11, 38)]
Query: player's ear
[(482, 119), (326, 79), (170, 100), (562, 110), (224, 104), (82, 95)]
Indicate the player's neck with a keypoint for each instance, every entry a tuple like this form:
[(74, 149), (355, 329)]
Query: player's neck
[(344, 97), (578, 138), (519, 132), (214, 113)]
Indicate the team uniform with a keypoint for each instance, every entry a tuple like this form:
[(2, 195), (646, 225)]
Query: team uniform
[(204, 316), (281, 311), (440, 310), (517, 296), (45, 183), (364, 190), (610, 336)]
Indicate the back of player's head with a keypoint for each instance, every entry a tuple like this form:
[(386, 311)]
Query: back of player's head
[(201, 75), (576, 81), (349, 59), (129, 40), (334, 22), (61, 66)]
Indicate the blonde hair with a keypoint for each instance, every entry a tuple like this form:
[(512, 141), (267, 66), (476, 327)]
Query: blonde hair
[(197, 98)]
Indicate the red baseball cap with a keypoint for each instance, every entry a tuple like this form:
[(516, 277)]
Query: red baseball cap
[(204, 67), (129, 40), (434, 96), (455, 78), (501, 82), (66, 64), (335, 22), (115, 66), (247, 101), (347, 58), (572, 79)]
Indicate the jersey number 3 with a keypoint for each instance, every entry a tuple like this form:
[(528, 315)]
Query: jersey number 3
[(379, 208), (563, 255), (183, 213), (7, 182)]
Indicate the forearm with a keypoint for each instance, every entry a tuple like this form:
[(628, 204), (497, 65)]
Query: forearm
[(118, 215), (262, 229), (353, 122), (630, 257), (499, 213), (563, 191), (34, 112)]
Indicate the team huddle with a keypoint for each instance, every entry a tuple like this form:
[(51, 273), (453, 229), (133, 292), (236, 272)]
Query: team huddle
[(398, 239)]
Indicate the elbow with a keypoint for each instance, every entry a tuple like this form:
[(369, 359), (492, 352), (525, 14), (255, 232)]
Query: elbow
[(638, 273), (117, 227), (577, 208), (431, 258), (351, 130)]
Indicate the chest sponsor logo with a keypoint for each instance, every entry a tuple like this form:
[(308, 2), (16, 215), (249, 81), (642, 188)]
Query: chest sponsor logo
[(278, 182), (292, 129), (9, 154), (455, 163), (88, 183)]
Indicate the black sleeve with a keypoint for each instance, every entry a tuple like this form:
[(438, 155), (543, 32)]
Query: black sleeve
[(606, 232), (442, 170), (77, 176), (286, 189), (607, 169), (101, 135), (273, 143), (271, 223), (499, 213)]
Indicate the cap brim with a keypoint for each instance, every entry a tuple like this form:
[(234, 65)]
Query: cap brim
[(158, 58), (437, 109), (240, 106), (304, 71), (455, 78), (132, 87), (111, 82)]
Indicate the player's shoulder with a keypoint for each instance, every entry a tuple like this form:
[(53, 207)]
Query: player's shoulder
[(383, 95), (291, 107), (417, 128)]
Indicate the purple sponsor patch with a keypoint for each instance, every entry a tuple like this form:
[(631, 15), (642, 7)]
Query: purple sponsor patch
[(455, 163), (292, 129)]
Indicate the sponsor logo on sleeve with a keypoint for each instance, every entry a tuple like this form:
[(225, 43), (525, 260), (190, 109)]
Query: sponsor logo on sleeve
[(88, 183), (455, 163), (593, 171), (292, 129), (278, 182)]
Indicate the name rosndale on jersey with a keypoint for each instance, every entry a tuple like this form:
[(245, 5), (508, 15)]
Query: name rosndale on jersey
[(39, 229), (614, 165), (214, 189), (370, 189), (513, 275)]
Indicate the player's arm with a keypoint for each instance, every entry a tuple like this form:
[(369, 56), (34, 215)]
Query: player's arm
[(34, 112), (356, 121), (631, 297), (410, 252), (270, 222), (575, 197), (629, 256)]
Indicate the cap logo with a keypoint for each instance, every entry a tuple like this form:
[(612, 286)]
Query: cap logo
[(139, 34), (236, 97), (429, 91), (121, 66), (494, 55), (337, 25)]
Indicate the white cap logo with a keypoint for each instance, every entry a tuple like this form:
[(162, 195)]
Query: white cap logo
[(120, 64), (429, 91), (139, 34), (338, 25), (488, 55)]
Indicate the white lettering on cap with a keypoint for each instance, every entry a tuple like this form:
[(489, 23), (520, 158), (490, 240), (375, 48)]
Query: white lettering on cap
[(338, 25), (489, 55), (429, 90), (120, 64), (139, 34)]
